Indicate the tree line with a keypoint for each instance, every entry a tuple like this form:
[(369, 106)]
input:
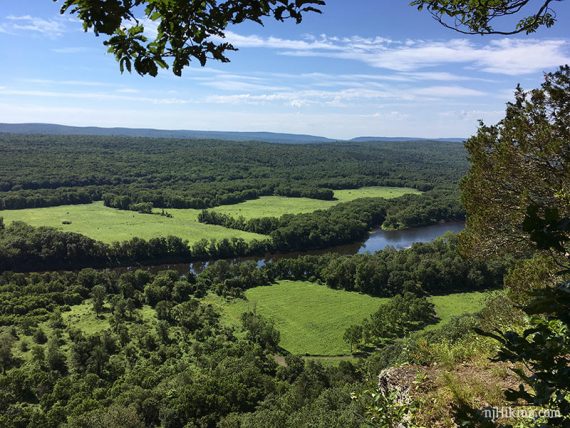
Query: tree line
[(27, 248), (433, 268), (401, 213)]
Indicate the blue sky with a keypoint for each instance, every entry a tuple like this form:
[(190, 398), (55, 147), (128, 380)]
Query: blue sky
[(363, 67)]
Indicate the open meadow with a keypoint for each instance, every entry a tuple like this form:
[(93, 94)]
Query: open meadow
[(276, 206), (108, 224), (312, 318)]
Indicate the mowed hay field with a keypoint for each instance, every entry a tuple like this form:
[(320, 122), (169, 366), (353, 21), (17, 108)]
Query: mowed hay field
[(276, 206), (108, 224), (312, 318)]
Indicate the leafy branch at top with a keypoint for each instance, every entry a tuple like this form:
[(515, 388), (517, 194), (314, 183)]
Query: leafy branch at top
[(479, 17), (180, 31)]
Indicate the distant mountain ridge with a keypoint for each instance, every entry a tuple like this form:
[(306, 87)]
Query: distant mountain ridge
[(372, 139), (269, 137)]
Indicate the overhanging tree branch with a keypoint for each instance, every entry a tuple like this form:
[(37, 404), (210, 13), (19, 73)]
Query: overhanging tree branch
[(145, 34), (480, 17)]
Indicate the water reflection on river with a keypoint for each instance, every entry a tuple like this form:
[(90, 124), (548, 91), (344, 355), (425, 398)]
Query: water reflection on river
[(378, 240)]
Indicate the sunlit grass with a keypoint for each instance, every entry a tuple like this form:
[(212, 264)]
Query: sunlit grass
[(312, 318), (276, 206), (108, 224)]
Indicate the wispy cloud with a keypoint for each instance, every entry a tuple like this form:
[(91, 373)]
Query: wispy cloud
[(71, 50), (489, 116), (30, 24), (442, 76), (396, 83), (503, 56), (70, 85), (345, 97), (128, 91), (53, 82), (448, 91), (94, 96)]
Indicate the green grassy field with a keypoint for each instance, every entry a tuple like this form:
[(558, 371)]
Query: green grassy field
[(107, 224), (276, 206), (453, 305), (312, 318)]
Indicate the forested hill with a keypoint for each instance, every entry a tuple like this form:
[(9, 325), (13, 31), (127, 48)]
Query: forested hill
[(268, 137), (53, 129)]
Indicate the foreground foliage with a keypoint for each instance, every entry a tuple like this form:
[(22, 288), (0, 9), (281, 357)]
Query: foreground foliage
[(528, 156)]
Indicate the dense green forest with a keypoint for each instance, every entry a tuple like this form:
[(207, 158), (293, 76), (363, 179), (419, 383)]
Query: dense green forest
[(39, 171)]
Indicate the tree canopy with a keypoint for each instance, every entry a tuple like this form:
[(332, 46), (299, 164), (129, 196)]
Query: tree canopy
[(185, 30), (480, 17), (520, 162)]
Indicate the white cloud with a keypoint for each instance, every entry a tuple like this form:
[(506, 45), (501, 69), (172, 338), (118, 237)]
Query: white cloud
[(389, 115), (517, 57), (128, 91), (27, 23), (53, 82), (442, 76), (71, 50), (302, 98), (448, 91), (504, 56), (471, 116), (345, 97), (254, 41), (238, 85), (332, 90)]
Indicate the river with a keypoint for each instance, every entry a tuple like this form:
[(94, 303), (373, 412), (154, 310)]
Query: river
[(380, 239), (377, 240)]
